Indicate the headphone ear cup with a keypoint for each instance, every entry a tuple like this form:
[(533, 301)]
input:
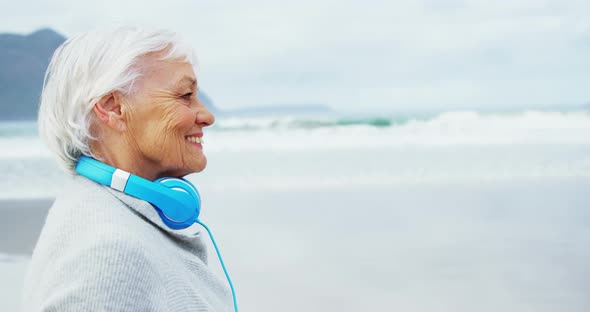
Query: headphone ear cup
[(182, 185)]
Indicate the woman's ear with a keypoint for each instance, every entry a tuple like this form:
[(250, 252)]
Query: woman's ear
[(108, 111)]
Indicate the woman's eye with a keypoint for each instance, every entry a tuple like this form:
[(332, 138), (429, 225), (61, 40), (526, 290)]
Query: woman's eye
[(187, 96)]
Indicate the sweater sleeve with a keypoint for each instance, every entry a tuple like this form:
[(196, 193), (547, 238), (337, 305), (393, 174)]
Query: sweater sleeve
[(107, 275)]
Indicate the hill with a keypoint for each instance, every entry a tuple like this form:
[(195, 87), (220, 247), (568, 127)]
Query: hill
[(24, 59)]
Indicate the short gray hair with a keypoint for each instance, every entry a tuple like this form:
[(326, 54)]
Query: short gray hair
[(87, 67)]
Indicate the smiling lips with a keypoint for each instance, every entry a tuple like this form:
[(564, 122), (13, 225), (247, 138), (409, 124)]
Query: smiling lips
[(196, 139)]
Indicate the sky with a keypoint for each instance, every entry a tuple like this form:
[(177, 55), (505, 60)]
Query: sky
[(360, 56)]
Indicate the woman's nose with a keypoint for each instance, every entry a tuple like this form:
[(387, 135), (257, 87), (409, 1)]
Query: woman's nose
[(204, 117)]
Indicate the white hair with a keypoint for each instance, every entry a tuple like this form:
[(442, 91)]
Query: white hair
[(87, 67)]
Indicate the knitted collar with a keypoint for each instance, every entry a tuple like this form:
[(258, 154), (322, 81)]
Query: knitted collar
[(143, 208), (150, 213), (190, 238)]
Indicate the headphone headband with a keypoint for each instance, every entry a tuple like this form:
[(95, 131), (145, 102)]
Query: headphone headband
[(176, 200)]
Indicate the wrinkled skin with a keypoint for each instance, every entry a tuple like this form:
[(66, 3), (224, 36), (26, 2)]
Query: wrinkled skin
[(148, 138)]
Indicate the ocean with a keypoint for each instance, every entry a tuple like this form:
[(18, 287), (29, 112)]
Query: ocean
[(454, 211)]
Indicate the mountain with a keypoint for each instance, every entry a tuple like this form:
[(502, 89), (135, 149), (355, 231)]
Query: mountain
[(23, 61)]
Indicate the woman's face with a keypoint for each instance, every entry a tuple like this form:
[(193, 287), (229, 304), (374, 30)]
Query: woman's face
[(164, 119)]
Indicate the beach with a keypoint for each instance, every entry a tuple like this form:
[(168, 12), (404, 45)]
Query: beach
[(491, 216), (414, 156), (517, 246), (21, 223)]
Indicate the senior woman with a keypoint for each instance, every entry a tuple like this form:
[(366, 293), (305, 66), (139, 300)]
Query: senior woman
[(125, 102)]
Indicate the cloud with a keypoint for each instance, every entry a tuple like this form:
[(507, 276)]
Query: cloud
[(375, 54)]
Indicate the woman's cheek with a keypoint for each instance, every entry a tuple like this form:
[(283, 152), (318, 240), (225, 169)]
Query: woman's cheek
[(188, 117)]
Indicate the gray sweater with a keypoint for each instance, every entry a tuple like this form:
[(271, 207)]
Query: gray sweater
[(102, 250)]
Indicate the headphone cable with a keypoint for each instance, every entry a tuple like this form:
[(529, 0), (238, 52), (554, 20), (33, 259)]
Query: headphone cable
[(231, 285)]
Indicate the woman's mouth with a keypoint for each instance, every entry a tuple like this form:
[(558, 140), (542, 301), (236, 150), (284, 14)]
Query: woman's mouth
[(195, 140)]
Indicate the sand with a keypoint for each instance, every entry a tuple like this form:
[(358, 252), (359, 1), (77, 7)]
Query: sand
[(470, 246), (21, 224)]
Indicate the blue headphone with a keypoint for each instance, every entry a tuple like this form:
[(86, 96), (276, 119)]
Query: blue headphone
[(176, 200)]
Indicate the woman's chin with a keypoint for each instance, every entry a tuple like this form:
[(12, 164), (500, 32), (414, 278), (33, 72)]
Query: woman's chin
[(179, 172), (198, 166)]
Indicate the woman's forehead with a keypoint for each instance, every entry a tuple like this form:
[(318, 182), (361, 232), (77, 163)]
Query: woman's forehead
[(170, 74), (187, 81)]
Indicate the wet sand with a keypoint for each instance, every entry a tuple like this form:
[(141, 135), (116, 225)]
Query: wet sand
[(20, 224), (497, 246)]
